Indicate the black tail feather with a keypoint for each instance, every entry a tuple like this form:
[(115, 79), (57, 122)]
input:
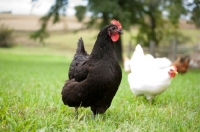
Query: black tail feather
[(80, 47)]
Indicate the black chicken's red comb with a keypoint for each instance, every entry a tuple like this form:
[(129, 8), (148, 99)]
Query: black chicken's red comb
[(117, 23)]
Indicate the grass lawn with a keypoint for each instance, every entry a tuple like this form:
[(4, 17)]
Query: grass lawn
[(30, 99)]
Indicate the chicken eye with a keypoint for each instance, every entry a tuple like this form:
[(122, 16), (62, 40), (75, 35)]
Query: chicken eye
[(113, 28)]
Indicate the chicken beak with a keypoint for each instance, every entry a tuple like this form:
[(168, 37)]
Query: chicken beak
[(175, 72), (120, 32)]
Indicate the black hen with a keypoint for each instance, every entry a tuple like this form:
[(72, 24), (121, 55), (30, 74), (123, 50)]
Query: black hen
[(94, 79)]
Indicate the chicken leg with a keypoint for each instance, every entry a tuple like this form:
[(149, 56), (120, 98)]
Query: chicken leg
[(76, 112), (93, 116)]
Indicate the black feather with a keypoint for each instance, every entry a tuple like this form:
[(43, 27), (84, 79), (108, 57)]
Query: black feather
[(77, 68)]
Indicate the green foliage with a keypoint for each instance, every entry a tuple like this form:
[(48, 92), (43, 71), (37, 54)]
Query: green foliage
[(40, 34), (147, 14), (107, 10), (55, 11), (6, 38), (175, 35), (30, 100), (174, 14), (80, 12), (195, 12), (153, 25)]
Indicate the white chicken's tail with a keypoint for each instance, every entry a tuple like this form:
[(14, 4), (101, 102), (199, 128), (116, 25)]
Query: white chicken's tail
[(138, 53), (138, 49), (138, 58)]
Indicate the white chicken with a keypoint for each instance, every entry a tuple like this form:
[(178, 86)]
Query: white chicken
[(158, 62), (146, 78)]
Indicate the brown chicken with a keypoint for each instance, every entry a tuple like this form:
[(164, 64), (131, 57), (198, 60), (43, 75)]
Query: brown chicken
[(94, 79), (182, 64)]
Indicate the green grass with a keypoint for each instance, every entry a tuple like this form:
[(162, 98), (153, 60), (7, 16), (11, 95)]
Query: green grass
[(30, 99)]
